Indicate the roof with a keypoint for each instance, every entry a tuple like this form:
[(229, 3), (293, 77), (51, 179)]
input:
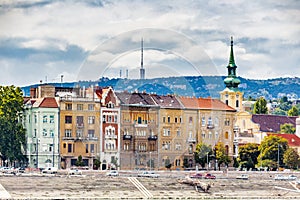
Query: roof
[(271, 123), (135, 98), (205, 104), (48, 102), (169, 101), (293, 140)]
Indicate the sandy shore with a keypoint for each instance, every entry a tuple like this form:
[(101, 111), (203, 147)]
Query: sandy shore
[(95, 185)]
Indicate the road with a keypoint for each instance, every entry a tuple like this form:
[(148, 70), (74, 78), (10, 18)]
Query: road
[(95, 185)]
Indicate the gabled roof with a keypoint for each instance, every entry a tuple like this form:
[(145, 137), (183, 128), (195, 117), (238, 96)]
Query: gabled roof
[(48, 102), (205, 104), (271, 123), (169, 101), (293, 140)]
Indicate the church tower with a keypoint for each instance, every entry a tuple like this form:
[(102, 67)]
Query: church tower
[(142, 70), (231, 94)]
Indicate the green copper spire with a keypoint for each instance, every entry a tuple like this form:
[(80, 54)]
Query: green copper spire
[(231, 59), (232, 81)]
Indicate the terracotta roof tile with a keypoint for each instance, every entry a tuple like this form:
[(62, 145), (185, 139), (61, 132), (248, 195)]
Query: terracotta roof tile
[(48, 102), (135, 98), (271, 123), (293, 140), (169, 101)]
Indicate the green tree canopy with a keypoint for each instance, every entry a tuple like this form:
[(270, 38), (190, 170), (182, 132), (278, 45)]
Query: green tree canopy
[(248, 154), (278, 111), (287, 128), (202, 153), (293, 111), (291, 158), (221, 154), (260, 106), (269, 149), (12, 132)]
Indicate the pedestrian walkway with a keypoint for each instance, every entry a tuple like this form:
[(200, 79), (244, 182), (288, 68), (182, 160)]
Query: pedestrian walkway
[(3, 193)]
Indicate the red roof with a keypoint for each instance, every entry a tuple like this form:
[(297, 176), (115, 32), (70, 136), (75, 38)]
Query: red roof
[(205, 104), (293, 140), (48, 102)]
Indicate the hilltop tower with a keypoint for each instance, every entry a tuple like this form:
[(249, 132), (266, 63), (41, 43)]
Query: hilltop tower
[(231, 94), (142, 70)]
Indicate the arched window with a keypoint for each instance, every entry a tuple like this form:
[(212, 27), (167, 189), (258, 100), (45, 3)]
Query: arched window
[(237, 103)]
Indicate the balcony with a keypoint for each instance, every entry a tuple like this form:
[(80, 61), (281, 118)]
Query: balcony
[(210, 126), (111, 136), (92, 138), (80, 125), (141, 125), (68, 138), (152, 138), (191, 140), (127, 137)]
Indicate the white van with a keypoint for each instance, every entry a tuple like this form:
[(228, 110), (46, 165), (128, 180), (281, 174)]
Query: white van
[(50, 170)]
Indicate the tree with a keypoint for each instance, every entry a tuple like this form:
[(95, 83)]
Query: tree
[(260, 106), (202, 154), (278, 111), (97, 163), (248, 154), (221, 154), (291, 158), (79, 161), (293, 111), (12, 132), (285, 106), (269, 149), (287, 128)]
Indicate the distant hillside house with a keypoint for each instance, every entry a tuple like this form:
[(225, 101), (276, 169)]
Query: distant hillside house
[(293, 140)]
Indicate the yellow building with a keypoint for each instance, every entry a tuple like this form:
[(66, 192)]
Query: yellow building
[(79, 127)]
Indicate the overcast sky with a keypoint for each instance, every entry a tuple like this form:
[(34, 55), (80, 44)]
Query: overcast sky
[(44, 39)]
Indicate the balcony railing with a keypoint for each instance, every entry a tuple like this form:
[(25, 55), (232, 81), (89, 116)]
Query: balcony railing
[(80, 125), (152, 137), (191, 140), (210, 126), (141, 125), (92, 138), (68, 138), (111, 136), (127, 137)]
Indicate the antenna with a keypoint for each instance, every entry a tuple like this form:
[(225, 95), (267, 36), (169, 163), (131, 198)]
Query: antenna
[(142, 70)]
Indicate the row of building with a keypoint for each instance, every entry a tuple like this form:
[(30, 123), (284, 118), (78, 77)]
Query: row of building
[(133, 130)]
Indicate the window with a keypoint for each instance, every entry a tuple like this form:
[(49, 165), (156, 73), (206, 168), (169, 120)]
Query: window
[(191, 120), (35, 119), (91, 107), (51, 119), (92, 148), (68, 119), (104, 118), (178, 147), (226, 135), (116, 119), (79, 133), (50, 147), (227, 122), (45, 119), (178, 132), (203, 134), (69, 148), (64, 145), (237, 103), (139, 120), (209, 122), (166, 132), (180, 119), (86, 148), (176, 120), (34, 133), (216, 122), (126, 147), (44, 132), (169, 119), (51, 133), (226, 101), (91, 120), (68, 106), (91, 133), (79, 106), (209, 135), (68, 133), (203, 121), (216, 135), (164, 119)]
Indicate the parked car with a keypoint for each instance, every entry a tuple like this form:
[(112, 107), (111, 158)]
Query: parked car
[(196, 175), (50, 170), (209, 176), (8, 170), (74, 171), (280, 177), (148, 174), (243, 176), (112, 173), (21, 169)]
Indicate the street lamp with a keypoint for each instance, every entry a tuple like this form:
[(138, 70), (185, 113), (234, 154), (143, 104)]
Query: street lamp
[(207, 160), (150, 160)]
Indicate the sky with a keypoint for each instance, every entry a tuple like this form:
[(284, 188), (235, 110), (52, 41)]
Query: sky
[(43, 40)]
